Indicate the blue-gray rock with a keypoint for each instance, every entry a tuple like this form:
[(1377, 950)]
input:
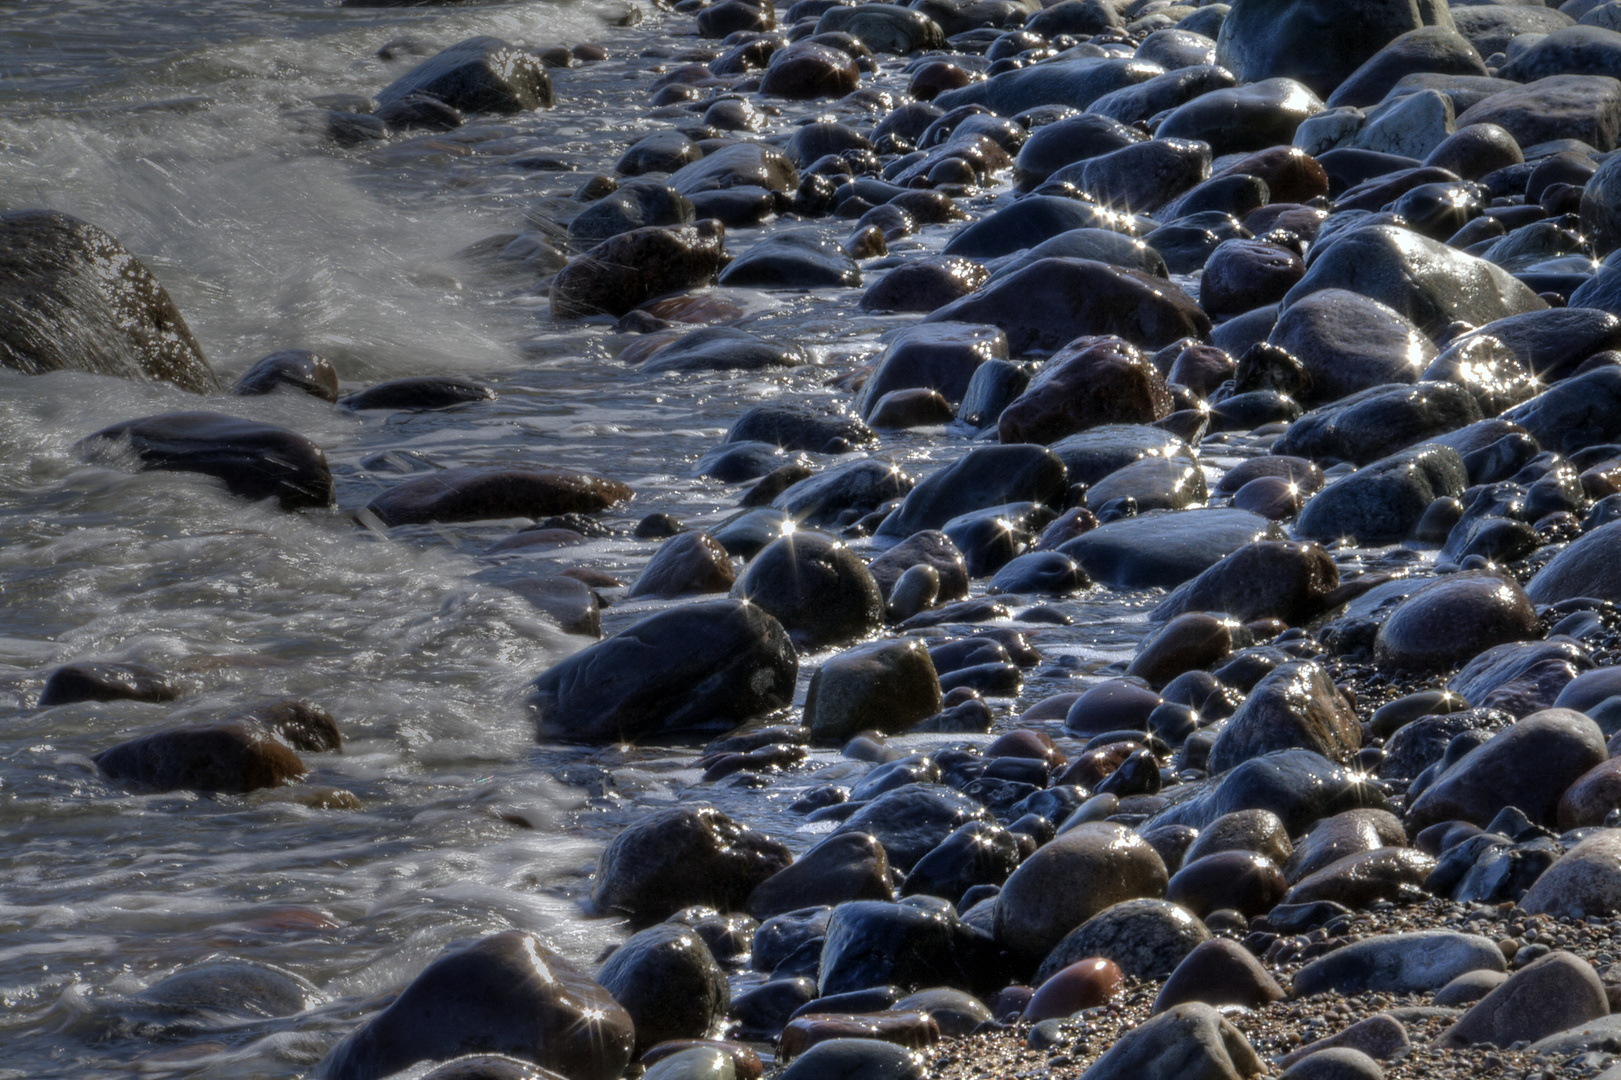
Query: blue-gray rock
[(1253, 116), (795, 427), (1579, 412), (506, 994), (680, 857), (1554, 993), (1142, 177), (1521, 677), (856, 1059), (1300, 787), (936, 356), (1347, 343), (712, 664), (887, 28), (1375, 423), (1408, 963), (1382, 502), (870, 943), (816, 588), (1425, 281), (1528, 765), (912, 821), (635, 205), (738, 164), (1076, 83), (296, 369), (793, 261), (1432, 49), (843, 867), (722, 348), (1450, 621), (1269, 579), (1072, 139), (984, 477), (1164, 548), (1026, 223), (668, 980), (482, 74), (1162, 93), (1584, 107), (1262, 39), (976, 854), (1591, 566), (844, 493)]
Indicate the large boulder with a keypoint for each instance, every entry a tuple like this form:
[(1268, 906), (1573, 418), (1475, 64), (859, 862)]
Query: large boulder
[(254, 460), (1075, 83), (1585, 107), (1382, 502), (1319, 42), (675, 858), (72, 298), (1573, 414), (712, 664), (482, 74), (1423, 280), (504, 994), (1590, 567)]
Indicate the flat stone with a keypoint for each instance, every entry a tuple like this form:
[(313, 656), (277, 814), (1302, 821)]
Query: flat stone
[(1405, 963)]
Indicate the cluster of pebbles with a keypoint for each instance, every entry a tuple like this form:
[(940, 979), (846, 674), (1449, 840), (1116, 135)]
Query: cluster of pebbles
[(1300, 312)]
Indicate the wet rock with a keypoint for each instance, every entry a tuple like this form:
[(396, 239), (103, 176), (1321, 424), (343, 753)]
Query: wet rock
[(1347, 343), (421, 392), (1403, 963), (691, 562), (1377, 422), (1423, 280), (507, 994), (634, 205), (483, 493), (1051, 302), (1438, 50), (253, 460), (1147, 939), (1579, 412), (668, 981), (1269, 579), (925, 548), (105, 682), (843, 493), (1087, 869), (924, 286), (806, 69), (1552, 994), (1075, 83), (1244, 274), (1025, 224), (679, 857), (72, 298), (481, 74), (1240, 881), (1045, 572), (1163, 549), (870, 944), (737, 164), (734, 16), (717, 663), (1099, 245), (1356, 881), (1585, 881), (903, 1028), (1299, 786), (1219, 972), (1382, 502), (1085, 984), (793, 261), (1585, 107), (1191, 1039), (1519, 678), (912, 821), (819, 590), (1240, 119), (856, 1059), (1552, 344), (233, 757), (1064, 142), (1093, 454), (625, 271), (1115, 705), (1188, 642), (798, 428), (1261, 39), (986, 477), (1354, 832), (1590, 799), (1143, 177), (846, 866), (883, 27), (1528, 765), (721, 348), (941, 357), (887, 686), (1450, 621), (662, 152), (976, 854), (1259, 831), (296, 369), (1090, 383), (1587, 568)]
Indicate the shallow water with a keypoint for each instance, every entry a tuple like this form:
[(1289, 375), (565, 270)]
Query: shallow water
[(186, 130)]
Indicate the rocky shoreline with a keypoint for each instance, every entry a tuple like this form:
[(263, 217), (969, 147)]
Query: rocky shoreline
[(1290, 323)]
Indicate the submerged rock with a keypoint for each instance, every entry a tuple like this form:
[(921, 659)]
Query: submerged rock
[(481, 74), (483, 493), (233, 757)]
